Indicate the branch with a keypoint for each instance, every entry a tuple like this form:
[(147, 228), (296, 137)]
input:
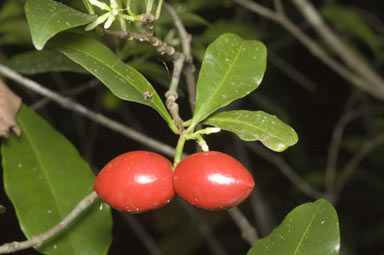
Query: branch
[(159, 45), (357, 158), (172, 95), (286, 170), (142, 234), (345, 53), (292, 72), (248, 232), (334, 147), (178, 62), (313, 47), (68, 92), (38, 240), (190, 68), (261, 210), (94, 116), (204, 228)]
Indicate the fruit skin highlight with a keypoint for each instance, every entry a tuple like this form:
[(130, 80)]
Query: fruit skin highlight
[(212, 180), (136, 181)]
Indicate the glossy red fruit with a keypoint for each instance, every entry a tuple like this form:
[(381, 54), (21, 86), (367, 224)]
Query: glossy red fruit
[(136, 181), (212, 180)]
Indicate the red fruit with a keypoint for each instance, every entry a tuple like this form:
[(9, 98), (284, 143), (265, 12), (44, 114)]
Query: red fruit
[(136, 181), (212, 180)]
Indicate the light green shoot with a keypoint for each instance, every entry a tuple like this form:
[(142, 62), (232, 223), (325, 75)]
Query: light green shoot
[(148, 6), (113, 11), (158, 10)]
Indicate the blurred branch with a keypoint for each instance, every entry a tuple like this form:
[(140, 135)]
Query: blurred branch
[(292, 72), (80, 109), (204, 229), (36, 241), (349, 168), (248, 232), (280, 18), (354, 62), (334, 147), (262, 212), (286, 170), (142, 234)]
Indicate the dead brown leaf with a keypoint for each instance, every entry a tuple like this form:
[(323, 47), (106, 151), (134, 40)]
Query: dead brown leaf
[(9, 106)]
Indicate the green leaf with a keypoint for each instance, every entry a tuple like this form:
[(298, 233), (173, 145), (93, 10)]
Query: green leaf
[(10, 9), (14, 31), (124, 81), (45, 178), (231, 69), (47, 18), (256, 126), (46, 60), (310, 229), (109, 101)]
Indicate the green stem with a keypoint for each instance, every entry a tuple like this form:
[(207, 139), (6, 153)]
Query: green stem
[(148, 6), (158, 10), (179, 151), (187, 123), (202, 143), (89, 7), (128, 8)]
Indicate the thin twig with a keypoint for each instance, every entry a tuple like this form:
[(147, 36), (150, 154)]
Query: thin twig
[(172, 95), (159, 45), (94, 116), (261, 209), (183, 34), (292, 72), (178, 60), (285, 169), (349, 168), (142, 234), (36, 241), (68, 92), (334, 147), (312, 46), (248, 232), (345, 53), (203, 228), (189, 70)]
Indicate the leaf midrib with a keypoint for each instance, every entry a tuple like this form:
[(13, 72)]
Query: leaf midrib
[(160, 108), (110, 68), (222, 82), (28, 137), (307, 229)]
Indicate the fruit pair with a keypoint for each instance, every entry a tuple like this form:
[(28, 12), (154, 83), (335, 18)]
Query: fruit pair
[(140, 181)]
